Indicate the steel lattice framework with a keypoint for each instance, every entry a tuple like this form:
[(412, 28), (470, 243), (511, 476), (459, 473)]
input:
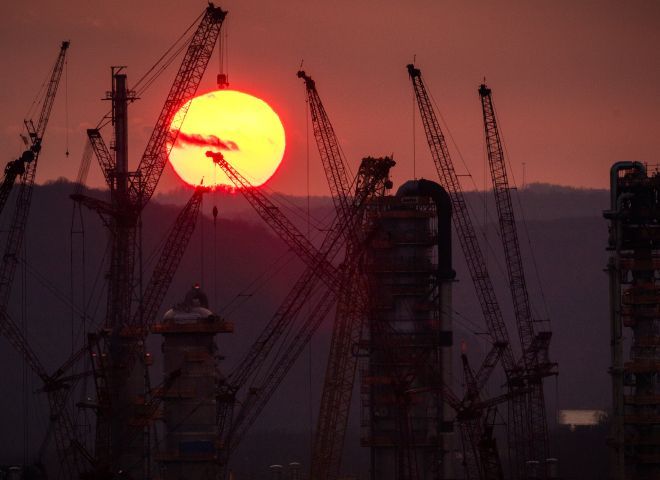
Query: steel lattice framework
[(372, 180), (119, 377), (502, 351), (534, 345), (69, 451), (350, 314)]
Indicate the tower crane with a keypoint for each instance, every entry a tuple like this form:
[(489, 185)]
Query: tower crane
[(534, 344), (481, 280)]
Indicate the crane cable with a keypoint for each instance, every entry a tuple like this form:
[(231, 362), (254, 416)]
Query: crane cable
[(309, 346), (66, 107), (25, 373)]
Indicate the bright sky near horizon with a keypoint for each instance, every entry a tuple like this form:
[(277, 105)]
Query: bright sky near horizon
[(574, 83)]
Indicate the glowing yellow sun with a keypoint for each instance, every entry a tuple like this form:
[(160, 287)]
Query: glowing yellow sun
[(245, 129)]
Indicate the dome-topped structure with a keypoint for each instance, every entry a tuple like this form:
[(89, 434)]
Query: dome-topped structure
[(191, 361)]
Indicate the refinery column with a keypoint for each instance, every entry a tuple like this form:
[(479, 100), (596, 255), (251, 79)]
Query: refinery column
[(409, 268), (192, 376), (634, 271)]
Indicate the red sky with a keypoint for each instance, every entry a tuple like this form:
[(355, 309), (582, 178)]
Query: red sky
[(574, 83)]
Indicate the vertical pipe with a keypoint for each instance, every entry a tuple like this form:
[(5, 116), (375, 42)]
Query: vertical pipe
[(120, 109)]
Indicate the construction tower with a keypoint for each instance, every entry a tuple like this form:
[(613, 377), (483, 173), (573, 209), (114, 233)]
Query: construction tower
[(409, 270), (634, 273)]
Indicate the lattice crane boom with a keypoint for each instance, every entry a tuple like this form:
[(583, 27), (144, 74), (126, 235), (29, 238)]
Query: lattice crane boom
[(169, 260), (329, 149), (103, 155), (463, 223), (477, 268), (70, 452), (282, 226), (36, 133), (349, 316), (13, 334), (176, 105), (532, 348), (375, 175)]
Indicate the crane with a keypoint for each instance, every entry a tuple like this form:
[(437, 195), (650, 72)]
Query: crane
[(36, 133), (502, 350), (534, 344), (130, 192), (26, 167), (372, 180), (260, 392), (349, 318), (173, 113)]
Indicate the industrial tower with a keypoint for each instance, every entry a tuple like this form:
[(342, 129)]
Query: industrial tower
[(634, 274), (190, 359), (408, 424), (121, 377)]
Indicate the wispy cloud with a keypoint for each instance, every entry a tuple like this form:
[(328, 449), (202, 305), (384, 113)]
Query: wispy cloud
[(206, 141)]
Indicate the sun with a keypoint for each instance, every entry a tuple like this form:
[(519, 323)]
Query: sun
[(244, 128)]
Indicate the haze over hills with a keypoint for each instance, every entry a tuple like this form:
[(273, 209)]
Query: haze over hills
[(247, 271)]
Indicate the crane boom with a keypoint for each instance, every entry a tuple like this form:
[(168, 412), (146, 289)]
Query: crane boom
[(120, 378), (36, 133), (329, 149), (176, 105), (349, 316), (533, 348), (272, 215), (169, 260), (70, 453), (103, 155), (13, 333), (477, 267), (463, 223), (374, 176)]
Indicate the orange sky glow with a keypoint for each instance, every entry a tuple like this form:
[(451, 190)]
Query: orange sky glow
[(574, 83)]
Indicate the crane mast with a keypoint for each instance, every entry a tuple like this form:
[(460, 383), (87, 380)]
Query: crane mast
[(478, 270), (534, 345)]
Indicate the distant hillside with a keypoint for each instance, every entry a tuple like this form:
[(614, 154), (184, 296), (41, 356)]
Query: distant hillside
[(565, 228), (540, 201)]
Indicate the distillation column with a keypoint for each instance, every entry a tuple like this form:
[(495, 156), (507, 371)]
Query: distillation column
[(189, 401), (634, 272), (409, 269)]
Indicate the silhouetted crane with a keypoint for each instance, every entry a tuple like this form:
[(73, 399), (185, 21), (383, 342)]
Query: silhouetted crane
[(534, 344), (476, 263)]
